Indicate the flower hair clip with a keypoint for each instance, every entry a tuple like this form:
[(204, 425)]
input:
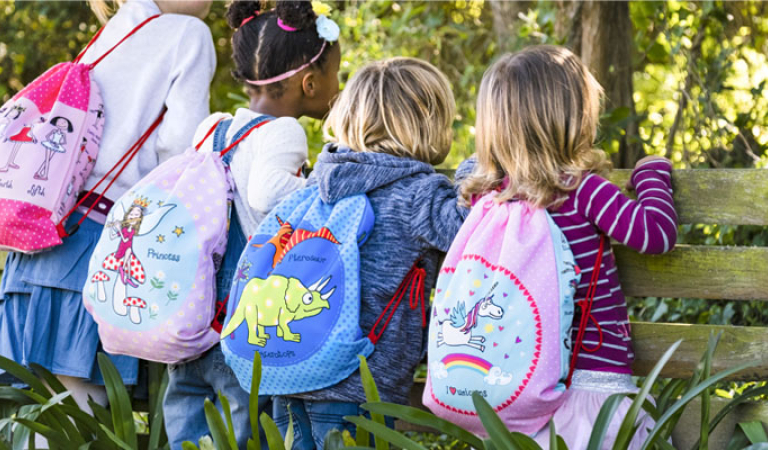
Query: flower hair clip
[(327, 29)]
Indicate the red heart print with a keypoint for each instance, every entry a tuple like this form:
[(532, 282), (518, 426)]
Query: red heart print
[(439, 291), (447, 310), (495, 344), (501, 328), (471, 292), (469, 270), (518, 340), (453, 390)]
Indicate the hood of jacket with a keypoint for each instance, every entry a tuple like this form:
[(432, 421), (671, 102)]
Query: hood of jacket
[(340, 172)]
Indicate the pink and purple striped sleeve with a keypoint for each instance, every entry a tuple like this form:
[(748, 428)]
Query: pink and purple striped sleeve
[(648, 225)]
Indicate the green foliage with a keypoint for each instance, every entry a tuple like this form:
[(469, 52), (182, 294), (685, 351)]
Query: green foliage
[(54, 415)]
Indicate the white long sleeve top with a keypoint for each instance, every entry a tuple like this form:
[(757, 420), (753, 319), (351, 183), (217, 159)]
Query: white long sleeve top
[(169, 62), (265, 166)]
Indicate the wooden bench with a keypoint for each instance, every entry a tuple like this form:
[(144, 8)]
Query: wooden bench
[(726, 197)]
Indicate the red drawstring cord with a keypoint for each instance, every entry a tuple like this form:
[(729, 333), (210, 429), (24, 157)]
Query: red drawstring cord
[(586, 314), (127, 157), (414, 280), (96, 36), (221, 307), (123, 163), (234, 144)]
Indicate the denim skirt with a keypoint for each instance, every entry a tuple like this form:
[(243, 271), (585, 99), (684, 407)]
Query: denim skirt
[(42, 316)]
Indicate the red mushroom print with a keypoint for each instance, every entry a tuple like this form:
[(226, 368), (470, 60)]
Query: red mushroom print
[(135, 305), (99, 278)]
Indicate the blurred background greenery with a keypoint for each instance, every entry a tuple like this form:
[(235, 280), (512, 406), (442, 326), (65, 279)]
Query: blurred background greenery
[(688, 80)]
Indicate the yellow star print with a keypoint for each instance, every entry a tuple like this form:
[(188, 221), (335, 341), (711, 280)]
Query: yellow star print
[(178, 231), (160, 238)]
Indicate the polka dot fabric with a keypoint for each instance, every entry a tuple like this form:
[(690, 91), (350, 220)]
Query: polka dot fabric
[(168, 271), (501, 319), (325, 264), (49, 137)]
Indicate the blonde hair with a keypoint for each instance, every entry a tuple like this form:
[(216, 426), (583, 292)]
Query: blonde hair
[(104, 8), (537, 116), (400, 106)]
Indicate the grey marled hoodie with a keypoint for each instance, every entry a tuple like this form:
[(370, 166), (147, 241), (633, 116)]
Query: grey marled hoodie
[(417, 215)]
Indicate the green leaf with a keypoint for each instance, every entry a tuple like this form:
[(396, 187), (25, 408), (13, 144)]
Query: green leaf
[(603, 421), (690, 395), (158, 384), (253, 399), (754, 432), (26, 377), (49, 433), (101, 414), (628, 425), (383, 432), (228, 416), (372, 395), (333, 440), (420, 417), (186, 445), (496, 429), (114, 439), (745, 396), (52, 382), (274, 439), (523, 442), (552, 435), (758, 446), (217, 427), (120, 402)]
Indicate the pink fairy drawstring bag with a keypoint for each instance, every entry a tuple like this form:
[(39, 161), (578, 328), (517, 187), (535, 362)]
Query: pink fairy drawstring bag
[(50, 133), (502, 318)]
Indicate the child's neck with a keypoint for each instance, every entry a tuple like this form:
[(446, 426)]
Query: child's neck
[(274, 107)]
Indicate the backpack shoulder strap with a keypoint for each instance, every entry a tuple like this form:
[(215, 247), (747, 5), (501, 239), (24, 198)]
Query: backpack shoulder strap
[(96, 36), (242, 133), (220, 135)]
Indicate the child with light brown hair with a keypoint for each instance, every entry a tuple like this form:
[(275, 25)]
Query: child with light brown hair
[(537, 117), (390, 125)]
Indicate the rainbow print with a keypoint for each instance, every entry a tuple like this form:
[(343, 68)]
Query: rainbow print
[(460, 360)]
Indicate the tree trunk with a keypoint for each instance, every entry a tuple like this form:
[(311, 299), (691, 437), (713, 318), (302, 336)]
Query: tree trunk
[(505, 19), (601, 34)]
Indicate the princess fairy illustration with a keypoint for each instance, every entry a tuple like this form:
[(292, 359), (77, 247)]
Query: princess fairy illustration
[(54, 143), (136, 221)]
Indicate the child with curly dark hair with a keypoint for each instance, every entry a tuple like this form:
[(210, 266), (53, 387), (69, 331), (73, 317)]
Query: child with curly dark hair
[(288, 59)]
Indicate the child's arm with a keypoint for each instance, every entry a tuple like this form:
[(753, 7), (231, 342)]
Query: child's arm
[(436, 213), (187, 101), (275, 171), (648, 225)]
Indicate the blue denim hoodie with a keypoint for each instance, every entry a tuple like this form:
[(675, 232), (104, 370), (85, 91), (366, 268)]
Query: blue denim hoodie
[(417, 216)]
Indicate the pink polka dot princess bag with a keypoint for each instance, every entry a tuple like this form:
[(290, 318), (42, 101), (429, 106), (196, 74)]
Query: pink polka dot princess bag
[(151, 285), (56, 124)]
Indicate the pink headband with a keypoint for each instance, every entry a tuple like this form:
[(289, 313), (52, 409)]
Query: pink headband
[(285, 27), (249, 18), (290, 73)]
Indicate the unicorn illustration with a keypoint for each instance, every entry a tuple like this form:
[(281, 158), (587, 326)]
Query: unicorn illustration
[(457, 330)]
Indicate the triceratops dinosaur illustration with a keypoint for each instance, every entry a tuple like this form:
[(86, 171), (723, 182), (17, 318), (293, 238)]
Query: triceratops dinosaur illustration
[(276, 302)]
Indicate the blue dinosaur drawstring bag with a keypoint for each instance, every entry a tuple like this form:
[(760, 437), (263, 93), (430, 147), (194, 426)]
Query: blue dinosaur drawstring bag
[(295, 298)]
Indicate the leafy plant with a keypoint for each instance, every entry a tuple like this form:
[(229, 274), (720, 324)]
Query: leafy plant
[(45, 408)]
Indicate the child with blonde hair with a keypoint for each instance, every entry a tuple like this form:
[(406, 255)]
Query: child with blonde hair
[(537, 117), (390, 125), (166, 65)]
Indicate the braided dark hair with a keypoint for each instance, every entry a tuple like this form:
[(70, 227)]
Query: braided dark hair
[(261, 49)]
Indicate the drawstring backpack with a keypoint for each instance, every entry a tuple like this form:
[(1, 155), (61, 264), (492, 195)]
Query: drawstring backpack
[(502, 318), (295, 298), (151, 285), (56, 123)]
